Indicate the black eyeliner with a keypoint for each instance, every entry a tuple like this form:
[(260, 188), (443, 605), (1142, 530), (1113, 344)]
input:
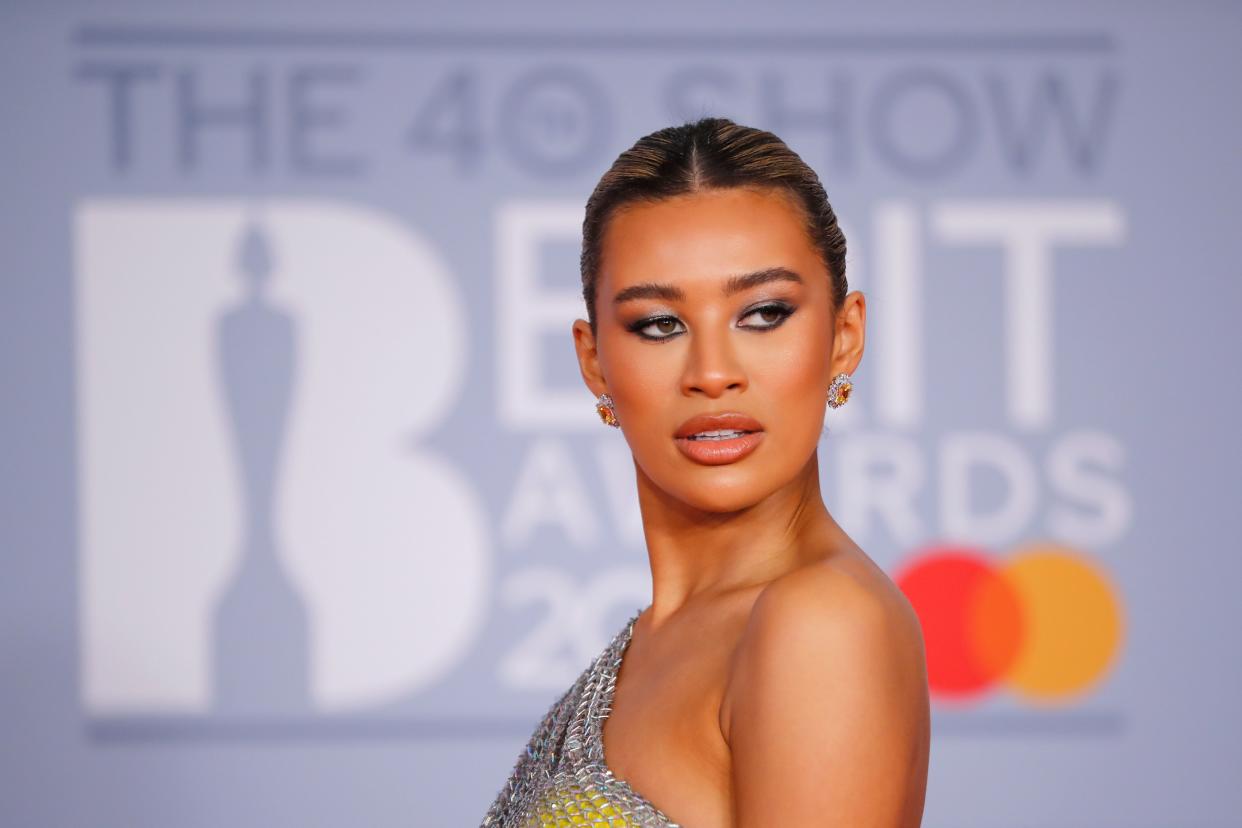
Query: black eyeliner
[(637, 326), (785, 309)]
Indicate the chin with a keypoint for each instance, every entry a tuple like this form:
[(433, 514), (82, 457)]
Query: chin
[(724, 500)]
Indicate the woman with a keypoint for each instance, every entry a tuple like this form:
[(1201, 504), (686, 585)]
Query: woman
[(778, 675)]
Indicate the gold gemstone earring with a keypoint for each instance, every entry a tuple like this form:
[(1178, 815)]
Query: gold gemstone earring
[(839, 391), (607, 413)]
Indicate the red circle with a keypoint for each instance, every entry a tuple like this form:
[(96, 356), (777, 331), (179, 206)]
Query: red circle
[(971, 618)]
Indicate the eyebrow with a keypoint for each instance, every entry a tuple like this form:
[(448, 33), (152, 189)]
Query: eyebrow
[(732, 285)]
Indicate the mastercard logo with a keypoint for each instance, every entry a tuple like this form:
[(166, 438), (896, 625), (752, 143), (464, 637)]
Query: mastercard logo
[(1043, 622)]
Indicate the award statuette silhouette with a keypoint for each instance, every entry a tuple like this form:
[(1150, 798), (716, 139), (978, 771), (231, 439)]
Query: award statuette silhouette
[(261, 645)]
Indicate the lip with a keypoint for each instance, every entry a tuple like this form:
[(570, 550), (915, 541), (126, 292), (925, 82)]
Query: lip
[(719, 452)]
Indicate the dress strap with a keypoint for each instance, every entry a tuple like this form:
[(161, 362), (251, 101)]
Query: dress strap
[(584, 741)]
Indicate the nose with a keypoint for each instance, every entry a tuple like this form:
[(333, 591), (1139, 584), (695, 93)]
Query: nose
[(712, 364)]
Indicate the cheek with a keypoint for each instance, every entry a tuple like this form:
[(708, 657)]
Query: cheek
[(796, 365), (791, 394), (640, 376), (792, 382)]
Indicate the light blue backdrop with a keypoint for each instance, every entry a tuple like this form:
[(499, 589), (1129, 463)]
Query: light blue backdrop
[(307, 517)]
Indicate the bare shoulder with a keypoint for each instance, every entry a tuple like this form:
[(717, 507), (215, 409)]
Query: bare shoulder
[(845, 608), (850, 597), (828, 682)]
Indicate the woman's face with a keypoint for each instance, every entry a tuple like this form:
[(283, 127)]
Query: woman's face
[(676, 339)]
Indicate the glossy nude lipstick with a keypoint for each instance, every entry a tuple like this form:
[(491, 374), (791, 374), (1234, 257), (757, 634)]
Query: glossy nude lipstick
[(717, 439)]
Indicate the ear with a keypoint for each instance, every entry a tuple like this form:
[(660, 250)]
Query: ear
[(850, 333), (588, 357)]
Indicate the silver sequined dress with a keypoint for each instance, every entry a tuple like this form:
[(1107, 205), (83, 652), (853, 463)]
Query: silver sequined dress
[(560, 779)]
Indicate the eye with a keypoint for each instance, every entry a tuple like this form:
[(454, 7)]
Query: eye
[(772, 315), (665, 326)]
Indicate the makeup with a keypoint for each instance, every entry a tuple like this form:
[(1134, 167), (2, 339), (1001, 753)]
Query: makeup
[(715, 439)]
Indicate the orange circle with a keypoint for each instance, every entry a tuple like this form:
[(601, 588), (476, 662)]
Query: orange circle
[(1073, 622)]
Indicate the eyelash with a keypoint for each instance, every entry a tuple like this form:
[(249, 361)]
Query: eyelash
[(636, 327)]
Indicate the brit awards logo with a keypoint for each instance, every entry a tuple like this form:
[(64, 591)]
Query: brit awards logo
[(263, 521)]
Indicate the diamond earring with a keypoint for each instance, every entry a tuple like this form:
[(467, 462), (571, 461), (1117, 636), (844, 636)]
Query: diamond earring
[(839, 391), (607, 413)]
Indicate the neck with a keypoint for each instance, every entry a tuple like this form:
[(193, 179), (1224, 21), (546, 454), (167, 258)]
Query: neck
[(697, 555)]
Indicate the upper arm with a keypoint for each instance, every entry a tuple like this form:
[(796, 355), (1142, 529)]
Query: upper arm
[(829, 720)]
